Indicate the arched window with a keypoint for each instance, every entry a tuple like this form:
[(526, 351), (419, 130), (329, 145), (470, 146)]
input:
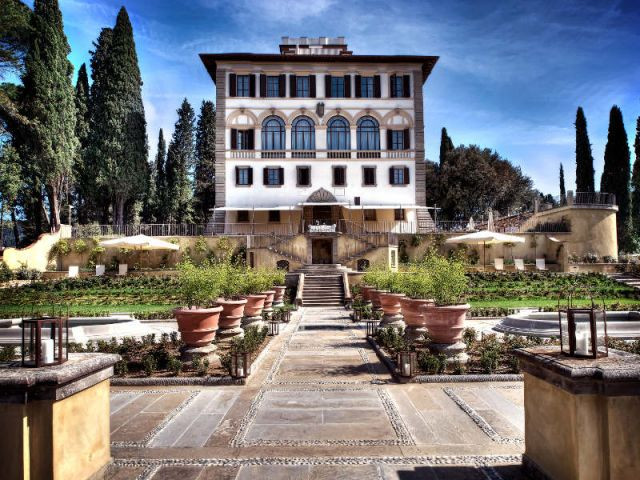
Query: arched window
[(273, 141), (338, 138), (303, 138), (368, 138)]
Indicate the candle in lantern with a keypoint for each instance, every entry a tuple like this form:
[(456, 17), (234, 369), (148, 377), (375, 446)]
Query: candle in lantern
[(582, 341), (406, 369), (47, 350)]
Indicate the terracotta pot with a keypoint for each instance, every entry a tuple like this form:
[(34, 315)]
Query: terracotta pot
[(445, 324), (197, 326), (255, 305), (232, 312), (375, 297), (390, 302), (412, 311), (268, 302), (366, 292), (279, 296)]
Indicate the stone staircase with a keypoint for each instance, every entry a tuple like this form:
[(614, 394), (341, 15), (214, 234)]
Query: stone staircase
[(322, 285), (425, 222), (629, 279)]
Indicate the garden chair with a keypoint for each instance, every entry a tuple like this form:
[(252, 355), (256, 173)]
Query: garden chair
[(100, 269), (122, 269), (498, 263), (74, 270), (519, 264), (541, 264)]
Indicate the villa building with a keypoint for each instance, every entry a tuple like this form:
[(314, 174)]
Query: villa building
[(319, 142)]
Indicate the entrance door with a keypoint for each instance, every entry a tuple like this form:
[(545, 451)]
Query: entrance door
[(322, 250)]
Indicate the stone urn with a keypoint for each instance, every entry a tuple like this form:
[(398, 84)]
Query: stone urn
[(268, 301), (445, 326), (416, 325), (278, 298), (231, 318), (197, 328), (390, 304), (375, 298), (253, 310)]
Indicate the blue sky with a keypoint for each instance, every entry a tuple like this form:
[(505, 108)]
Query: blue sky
[(510, 77)]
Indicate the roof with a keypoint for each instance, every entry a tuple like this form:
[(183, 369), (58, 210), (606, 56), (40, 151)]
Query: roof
[(211, 60)]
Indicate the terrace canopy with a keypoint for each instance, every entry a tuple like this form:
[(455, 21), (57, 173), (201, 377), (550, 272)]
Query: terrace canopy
[(139, 242), (485, 237)]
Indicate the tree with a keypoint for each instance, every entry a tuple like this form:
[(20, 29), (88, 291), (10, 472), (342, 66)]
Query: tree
[(10, 183), (161, 194), (635, 183), (563, 193), (205, 191), (49, 102), (584, 158), (84, 174), (119, 139), (180, 159), (446, 146), (616, 174)]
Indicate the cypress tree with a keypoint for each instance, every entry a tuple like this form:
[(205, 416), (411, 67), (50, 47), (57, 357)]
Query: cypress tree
[(160, 179), (446, 146), (584, 158), (180, 159), (49, 102), (205, 161), (120, 146), (616, 173), (635, 183), (563, 193), (83, 174)]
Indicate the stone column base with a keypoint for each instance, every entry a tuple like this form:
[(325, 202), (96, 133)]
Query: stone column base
[(226, 334), (453, 351), (187, 354), (278, 304), (396, 321), (412, 334), (256, 321)]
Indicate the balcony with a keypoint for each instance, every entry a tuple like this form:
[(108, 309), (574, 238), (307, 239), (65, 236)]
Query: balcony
[(349, 154)]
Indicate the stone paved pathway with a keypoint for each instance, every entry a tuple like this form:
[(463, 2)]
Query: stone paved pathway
[(321, 407)]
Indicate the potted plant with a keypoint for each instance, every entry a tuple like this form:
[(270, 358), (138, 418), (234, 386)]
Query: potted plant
[(198, 290), (231, 284), (390, 293), (268, 280), (374, 277), (416, 286), (278, 278), (254, 283), (447, 284)]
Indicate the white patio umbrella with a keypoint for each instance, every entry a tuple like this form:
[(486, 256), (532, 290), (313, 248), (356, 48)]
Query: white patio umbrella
[(490, 225), (471, 226), (139, 243), (484, 238)]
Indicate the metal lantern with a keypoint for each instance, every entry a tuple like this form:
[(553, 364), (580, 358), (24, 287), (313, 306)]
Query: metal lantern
[(583, 331), (372, 326), (274, 326), (240, 364), (45, 341), (406, 364)]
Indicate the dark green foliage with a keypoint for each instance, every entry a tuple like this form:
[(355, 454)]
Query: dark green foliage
[(8, 353), (251, 341), (469, 336), (616, 175), (392, 339), (149, 364), (84, 174), (584, 158), (10, 183), (446, 146), (48, 101), (432, 364), (200, 365), (174, 365), (180, 159), (205, 192), (158, 194), (563, 192), (635, 183)]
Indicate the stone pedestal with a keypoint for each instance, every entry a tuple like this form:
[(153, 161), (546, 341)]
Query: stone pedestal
[(55, 420), (395, 320), (414, 333), (256, 321), (187, 354), (226, 334), (582, 416), (453, 351)]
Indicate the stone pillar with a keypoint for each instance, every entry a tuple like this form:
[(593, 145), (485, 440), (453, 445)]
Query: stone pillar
[(570, 198), (55, 420), (582, 416)]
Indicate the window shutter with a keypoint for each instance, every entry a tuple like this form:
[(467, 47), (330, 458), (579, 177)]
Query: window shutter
[(293, 90), (252, 85), (251, 135), (376, 86), (298, 176), (234, 139), (406, 139), (389, 139), (406, 176), (406, 86), (391, 175), (327, 86), (250, 175), (237, 175), (265, 176), (281, 175), (263, 85), (312, 86), (347, 86), (282, 85), (392, 79), (232, 84), (358, 86)]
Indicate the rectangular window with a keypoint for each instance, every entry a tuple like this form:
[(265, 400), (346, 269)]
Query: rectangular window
[(242, 216), (370, 215), (397, 176), (243, 176), (398, 214), (397, 140), (273, 86), (302, 87), (366, 87), (369, 176), (304, 176), (273, 176), (242, 85), (396, 86), (244, 141), (339, 176), (274, 216), (337, 87)]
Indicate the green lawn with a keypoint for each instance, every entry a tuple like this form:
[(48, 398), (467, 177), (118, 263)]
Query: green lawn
[(549, 302)]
